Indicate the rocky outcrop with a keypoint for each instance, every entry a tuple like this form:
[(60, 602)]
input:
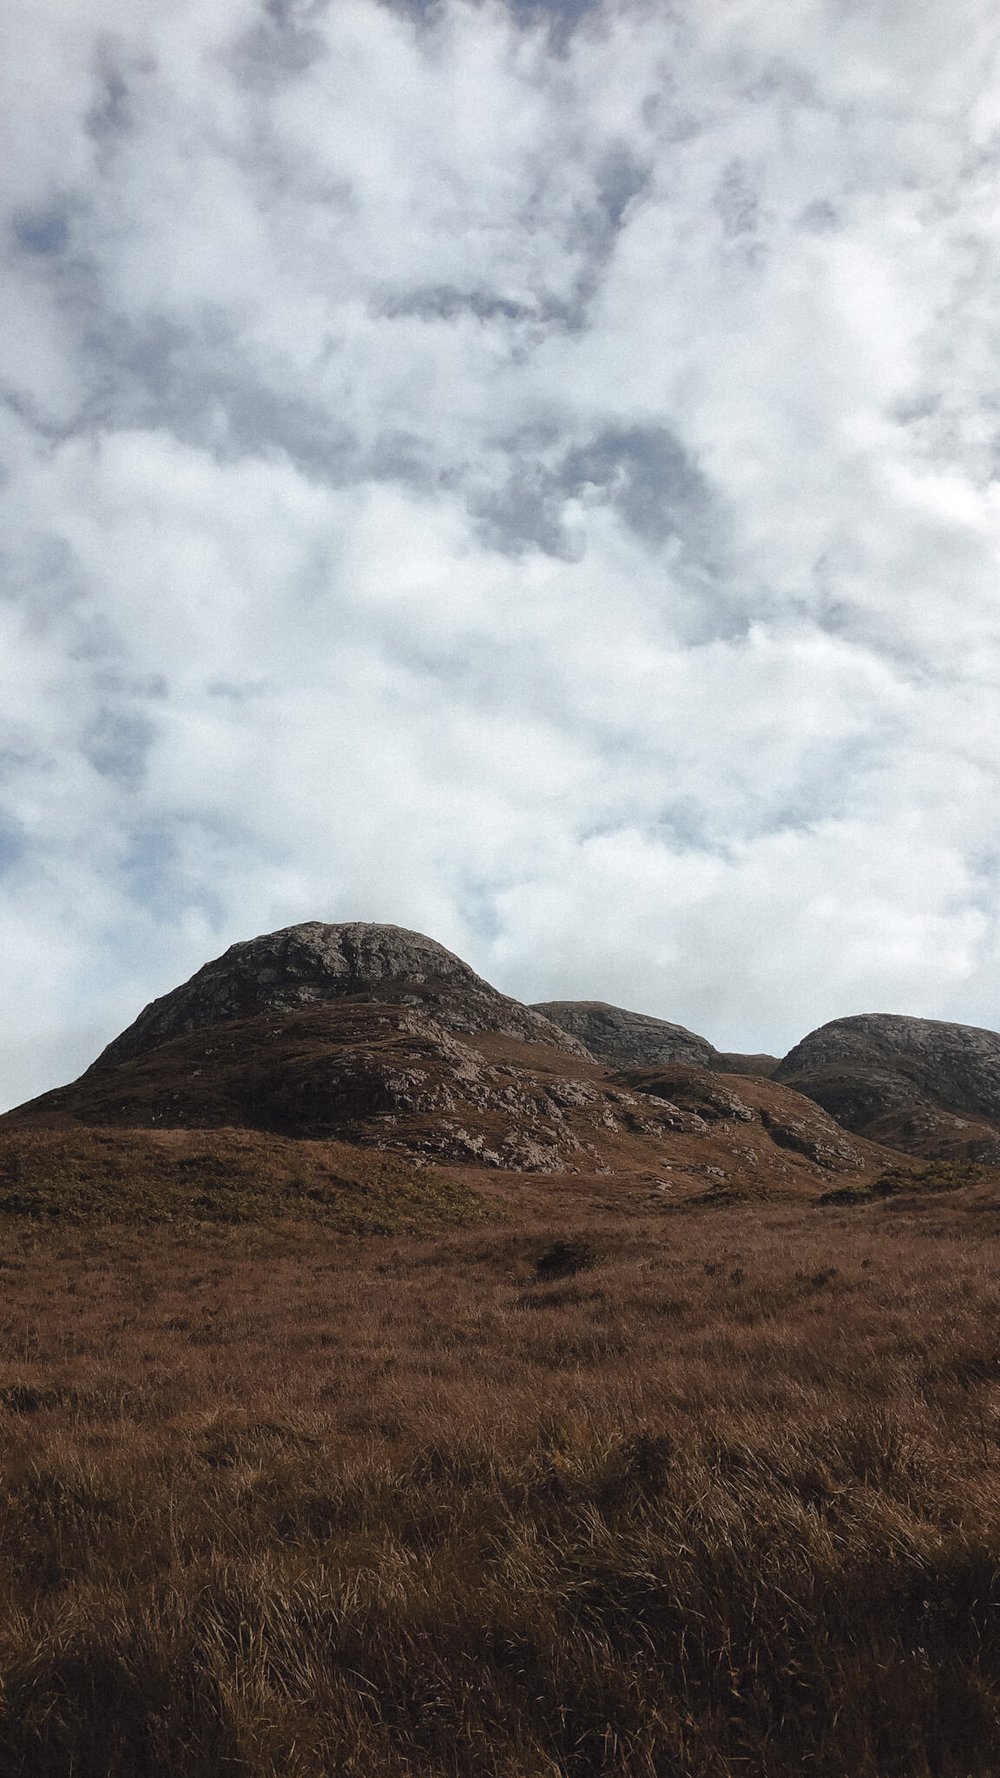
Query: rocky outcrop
[(920, 1085), (775, 1116), (385, 1077), (626, 1039), (376, 1075), (303, 965)]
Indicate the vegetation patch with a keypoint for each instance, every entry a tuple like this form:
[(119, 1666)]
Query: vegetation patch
[(222, 1176), (566, 1256), (937, 1176), (893, 1182)]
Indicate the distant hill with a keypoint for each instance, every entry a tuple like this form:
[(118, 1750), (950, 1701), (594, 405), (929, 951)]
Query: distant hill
[(920, 1085), (737, 1062), (630, 1039)]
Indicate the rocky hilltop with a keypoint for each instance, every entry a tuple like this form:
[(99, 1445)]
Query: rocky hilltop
[(380, 1038), (629, 1039), (304, 965), (920, 1085), (636, 1040)]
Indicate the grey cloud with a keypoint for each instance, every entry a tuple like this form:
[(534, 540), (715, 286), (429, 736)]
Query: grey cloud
[(686, 826), (920, 407), (736, 202), (819, 217), (401, 456), (477, 905), (825, 785), (567, 11), (621, 179), (195, 382), (590, 230), (51, 241), (527, 511), (782, 79), (42, 574), (43, 231), (443, 302), (116, 743), (112, 114), (156, 880), (12, 842), (150, 865), (238, 691), (642, 472), (654, 483), (560, 15), (282, 44)]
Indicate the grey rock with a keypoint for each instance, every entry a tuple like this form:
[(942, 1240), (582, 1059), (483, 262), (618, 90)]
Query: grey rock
[(787, 1119), (312, 962), (629, 1039), (918, 1084)]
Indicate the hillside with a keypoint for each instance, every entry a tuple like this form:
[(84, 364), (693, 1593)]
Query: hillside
[(629, 1039), (920, 1085), (381, 1040)]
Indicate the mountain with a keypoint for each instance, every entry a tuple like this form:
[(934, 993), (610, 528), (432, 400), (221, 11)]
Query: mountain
[(381, 1039), (738, 1062), (630, 1039), (634, 1039), (919, 1085), (304, 965)]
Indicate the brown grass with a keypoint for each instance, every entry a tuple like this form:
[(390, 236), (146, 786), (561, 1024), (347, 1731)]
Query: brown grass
[(73, 1174), (712, 1491)]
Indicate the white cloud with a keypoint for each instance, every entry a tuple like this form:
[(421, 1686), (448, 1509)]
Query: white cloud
[(541, 492)]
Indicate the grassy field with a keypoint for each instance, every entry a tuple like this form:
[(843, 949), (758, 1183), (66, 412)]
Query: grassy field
[(605, 1488)]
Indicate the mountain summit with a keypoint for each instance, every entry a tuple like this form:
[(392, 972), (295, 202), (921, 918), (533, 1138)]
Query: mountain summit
[(628, 1039), (302, 966), (921, 1085)]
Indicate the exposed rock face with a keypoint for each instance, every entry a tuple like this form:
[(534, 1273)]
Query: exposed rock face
[(313, 962), (373, 1074), (389, 1078), (773, 1115), (628, 1039), (920, 1085)]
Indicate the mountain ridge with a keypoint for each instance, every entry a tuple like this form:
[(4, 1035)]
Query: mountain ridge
[(379, 1036)]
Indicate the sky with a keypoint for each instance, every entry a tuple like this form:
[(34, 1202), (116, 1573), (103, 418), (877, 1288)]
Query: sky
[(526, 472)]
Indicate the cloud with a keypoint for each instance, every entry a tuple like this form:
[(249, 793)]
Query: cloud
[(524, 471)]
